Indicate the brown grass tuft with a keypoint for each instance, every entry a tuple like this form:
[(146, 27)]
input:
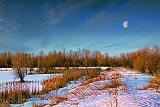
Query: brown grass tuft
[(154, 83), (37, 105), (56, 99), (114, 83)]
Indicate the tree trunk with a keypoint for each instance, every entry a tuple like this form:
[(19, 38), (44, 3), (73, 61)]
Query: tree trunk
[(22, 79)]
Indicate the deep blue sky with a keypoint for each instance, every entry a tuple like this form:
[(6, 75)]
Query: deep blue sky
[(34, 25)]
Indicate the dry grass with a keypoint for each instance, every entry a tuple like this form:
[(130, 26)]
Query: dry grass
[(4, 104), (104, 76), (154, 83), (52, 71), (54, 83), (90, 87), (115, 75), (56, 99), (114, 83), (37, 105), (98, 78), (88, 84), (16, 92)]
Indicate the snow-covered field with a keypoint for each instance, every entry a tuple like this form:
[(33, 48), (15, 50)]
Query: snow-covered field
[(9, 76), (91, 95), (44, 99)]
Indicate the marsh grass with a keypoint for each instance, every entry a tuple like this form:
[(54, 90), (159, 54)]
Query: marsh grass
[(154, 83), (56, 99), (4, 104), (51, 71), (114, 83), (60, 70), (16, 92), (54, 83), (37, 105), (89, 86)]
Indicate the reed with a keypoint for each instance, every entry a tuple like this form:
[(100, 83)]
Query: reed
[(17, 92), (54, 83), (154, 83)]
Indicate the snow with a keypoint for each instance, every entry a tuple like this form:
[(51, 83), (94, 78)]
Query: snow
[(38, 77), (103, 68), (135, 80), (9, 76), (93, 97), (32, 81), (44, 99), (140, 98), (6, 69), (133, 97)]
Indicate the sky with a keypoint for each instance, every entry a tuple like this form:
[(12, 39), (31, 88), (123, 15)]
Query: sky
[(35, 25)]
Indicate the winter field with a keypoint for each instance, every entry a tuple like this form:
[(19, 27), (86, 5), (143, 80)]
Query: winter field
[(116, 87)]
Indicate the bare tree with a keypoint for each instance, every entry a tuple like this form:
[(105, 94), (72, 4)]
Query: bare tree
[(20, 64)]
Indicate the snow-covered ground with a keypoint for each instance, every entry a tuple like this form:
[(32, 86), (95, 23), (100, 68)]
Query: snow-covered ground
[(90, 95), (44, 99), (9, 76), (103, 68)]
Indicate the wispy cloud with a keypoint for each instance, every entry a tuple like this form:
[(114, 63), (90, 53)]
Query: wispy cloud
[(6, 24), (56, 13)]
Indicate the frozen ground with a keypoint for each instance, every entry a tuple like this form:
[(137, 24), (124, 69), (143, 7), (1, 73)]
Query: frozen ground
[(44, 99), (9, 76), (90, 96)]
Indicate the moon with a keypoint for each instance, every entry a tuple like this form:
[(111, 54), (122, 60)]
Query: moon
[(125, 24)]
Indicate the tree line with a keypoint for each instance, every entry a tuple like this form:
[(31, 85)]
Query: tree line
[(144, 59)]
